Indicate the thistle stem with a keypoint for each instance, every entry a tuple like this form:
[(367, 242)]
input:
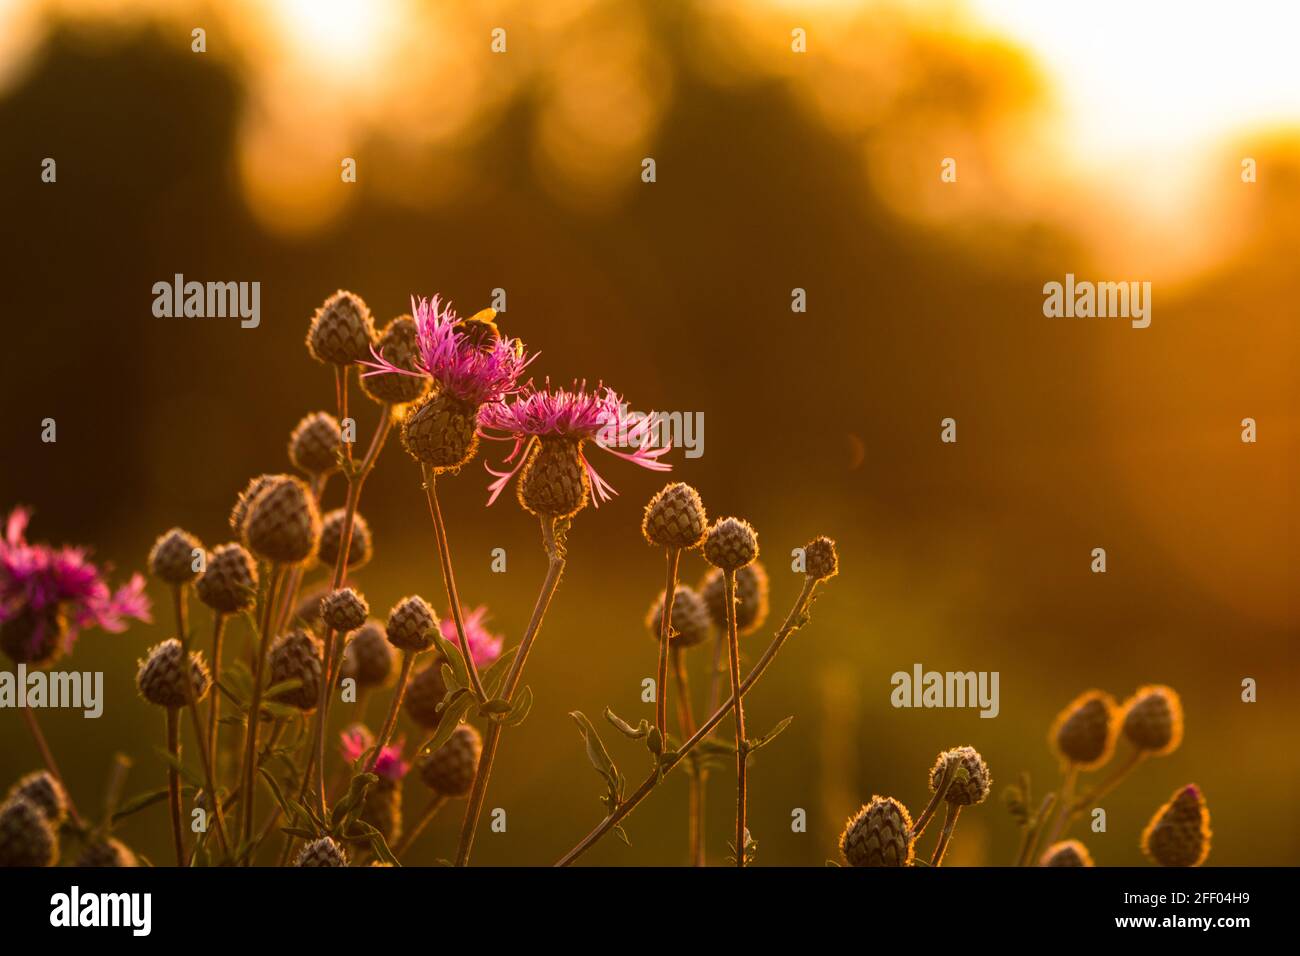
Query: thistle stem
[(1117, 776), (793, 621), (248, 780), (695, 800), (474, 808), (431, 811), (949, 771), (665, 635), (299, 573), (214, 706), (737, 697), (174, 782), (192, 704), (390, 724), (1032, 832), (1063, 804), (949, 824), (47, 757), (449, 581)]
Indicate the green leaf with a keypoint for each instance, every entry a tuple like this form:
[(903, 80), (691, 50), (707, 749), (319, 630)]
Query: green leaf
[(494, 676), (599, 758), (299, 832), (622, 834), (139, 802), (353, 799), (768, 737), (276, 792), (451, 656), (520, 709), (451, 719), (495, 706), (189, 776), (275, 690), (626, 729)]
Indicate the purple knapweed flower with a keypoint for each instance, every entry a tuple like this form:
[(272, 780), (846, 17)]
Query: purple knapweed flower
[(49, 595), (472, 367), (390, 765), (484, 646), (575, 414)]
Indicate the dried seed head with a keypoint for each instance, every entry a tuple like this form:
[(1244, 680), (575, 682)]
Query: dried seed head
[(1179, 833), (880, 834), (283, 525), (731, 544), (441, 432), (322, 852), (161, 677), (1066, 853), (316, 444), (382, 808), (412, 624), (342, 330), (450, 769), (398, 344), (675, 517), (34, 637), (26, 837), (553, 482), (44, 792), (361, 547), (229, 584), (821, 560), (751, 598), (172, 557), (689, 618), (425, 693), (1153, 719), (255, 486), (297, 656), (107, 852), (368, 657), (1084, 732), (344, 610), (966, 788)]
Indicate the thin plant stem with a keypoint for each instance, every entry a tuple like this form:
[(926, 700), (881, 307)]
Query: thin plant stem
[(174, 781), (214, 705), (474, 807), (390, 724), (431, 811), (737, 697), (47, 757), (192, 704), (665, 635), (248, 780), (299, 573), (949, 771), (1063, 804), (1032, 831), (1117, 776), (949, 824), (794, 620), (113, 789), (449, 581), (695, 799)]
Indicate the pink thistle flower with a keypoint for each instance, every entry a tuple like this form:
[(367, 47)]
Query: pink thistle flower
[(356, 740), (42, 581), (599, 415), (484, 646), (460, 364)]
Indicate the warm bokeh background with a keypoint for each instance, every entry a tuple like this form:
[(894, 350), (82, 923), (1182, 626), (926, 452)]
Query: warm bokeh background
[(775, 170)]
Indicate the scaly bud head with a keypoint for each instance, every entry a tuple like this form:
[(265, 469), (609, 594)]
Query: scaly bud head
[(880, 834), (675, 518), (172, 557)]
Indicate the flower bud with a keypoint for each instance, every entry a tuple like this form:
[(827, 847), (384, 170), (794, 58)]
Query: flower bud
[(880, 834), (229, 583), (731, 544), (360, 548), (821, 561), (283, 525), (344, 610), (675, 517), (411, 624), (398, 344), (425, 693), (964, 789), (1066, 853), (689, 618), (342, 330), (45, 792), (1179, 833), (1084, 732), (162, 675), (450, 769), (26, 837), (255, 486), (368, 657), (36, 637), (1153, 720), (316, 444), (107, 852), (442, 432), (297, 656), (172, 557), (751, 598), (322, 852), (553, 482)]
